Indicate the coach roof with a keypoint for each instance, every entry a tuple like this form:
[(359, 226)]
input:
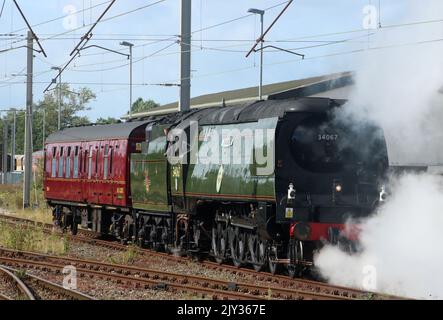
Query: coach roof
[(96, 132)]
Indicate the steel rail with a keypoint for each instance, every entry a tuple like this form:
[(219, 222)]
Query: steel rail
[(169, 278), (137, 282), (18, 283), (89, 237)]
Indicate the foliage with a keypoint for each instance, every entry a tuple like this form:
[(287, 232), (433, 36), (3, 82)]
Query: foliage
[(72, 104), (141, 105), (11, 197), (127, 257), (108, 120), (30, 238)]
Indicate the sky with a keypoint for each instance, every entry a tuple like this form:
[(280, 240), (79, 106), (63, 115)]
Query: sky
[(327, 32)]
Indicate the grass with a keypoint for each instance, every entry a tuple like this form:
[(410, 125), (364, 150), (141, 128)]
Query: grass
[(21, 273), (11, 199), (127, 257), (43, 215), (31, 238)]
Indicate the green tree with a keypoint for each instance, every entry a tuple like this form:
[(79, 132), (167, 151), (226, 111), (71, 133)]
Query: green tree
[(141, 105), (108, 120), (72, 105)]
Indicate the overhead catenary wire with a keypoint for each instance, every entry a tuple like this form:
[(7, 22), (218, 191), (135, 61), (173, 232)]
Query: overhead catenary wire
[(341, 53), (88, 35), (313, 37), (30, 28), (300, 39), (84, 40), (175, 37), (63, 17), (245, 68), (126, 64), (263, 35), (3, 7), (124, 13)]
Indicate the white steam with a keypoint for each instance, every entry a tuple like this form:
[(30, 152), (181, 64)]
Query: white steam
[(402, 242), (399, 89)]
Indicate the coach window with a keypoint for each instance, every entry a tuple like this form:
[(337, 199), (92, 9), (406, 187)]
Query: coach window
[(97, 152), (90, 163), (60, 163), (111, 156), (54, 163), (105, 162), (75, 176), (68, 163), (83, 163)]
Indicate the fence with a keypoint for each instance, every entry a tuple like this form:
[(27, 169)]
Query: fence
[(12, 178)]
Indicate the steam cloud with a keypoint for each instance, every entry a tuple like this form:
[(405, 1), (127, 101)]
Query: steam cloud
[(398, 88)]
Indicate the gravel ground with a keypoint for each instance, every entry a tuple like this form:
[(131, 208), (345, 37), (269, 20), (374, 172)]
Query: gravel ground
[(9, 290), (108, 290), (105, 290), (186, 267)]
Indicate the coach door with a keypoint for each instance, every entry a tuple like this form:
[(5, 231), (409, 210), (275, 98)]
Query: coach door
[(105, 161), (96, 179), (91, 173), (149, 172)]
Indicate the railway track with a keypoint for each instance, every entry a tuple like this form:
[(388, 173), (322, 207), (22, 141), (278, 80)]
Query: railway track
[(285, 287), (155, 279), (30, 287), (17, 289)]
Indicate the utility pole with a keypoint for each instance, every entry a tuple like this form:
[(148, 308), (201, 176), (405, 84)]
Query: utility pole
[(5, 152), (28, 124), (260, 94), (185, 58), (59, 103), (130, 81), (130, 45), (14, 125), (44, 128), (59, 123), (261, 13)]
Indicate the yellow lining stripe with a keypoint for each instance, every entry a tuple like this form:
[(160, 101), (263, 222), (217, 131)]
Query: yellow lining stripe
[(86, 180)]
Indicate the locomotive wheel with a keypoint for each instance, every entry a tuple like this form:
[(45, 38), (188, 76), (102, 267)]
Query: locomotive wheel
[(127, 230), (66, 221), (237, 243), (74, 226), (219, 242), (258, 251), (295, 255), (272, 257)]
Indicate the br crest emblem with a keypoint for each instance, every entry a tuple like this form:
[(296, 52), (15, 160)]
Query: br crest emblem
[(147, 183)]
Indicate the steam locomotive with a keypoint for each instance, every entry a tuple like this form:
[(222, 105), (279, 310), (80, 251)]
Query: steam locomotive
[(262, 184)]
